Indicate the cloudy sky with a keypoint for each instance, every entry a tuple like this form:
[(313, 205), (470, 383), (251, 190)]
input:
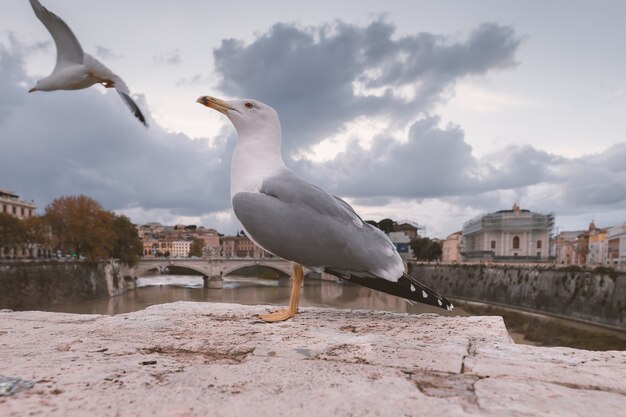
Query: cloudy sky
[(429, 111)]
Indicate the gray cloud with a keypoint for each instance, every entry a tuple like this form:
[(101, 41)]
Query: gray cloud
[(309, 74), (193, 81), (106, 53), (64, 143), (168, 58), (86, 142)]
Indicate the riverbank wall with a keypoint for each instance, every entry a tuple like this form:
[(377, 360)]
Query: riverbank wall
[(597, 296), (26, 285)]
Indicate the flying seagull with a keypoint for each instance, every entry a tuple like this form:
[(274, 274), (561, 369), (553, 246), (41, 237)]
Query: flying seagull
[(298, 221), (75, 69)]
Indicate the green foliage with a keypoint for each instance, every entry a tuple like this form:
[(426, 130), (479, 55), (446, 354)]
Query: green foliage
[(426, 249), (386, 225), (196, 248), (12, 231), (606, 270), (127, 246)]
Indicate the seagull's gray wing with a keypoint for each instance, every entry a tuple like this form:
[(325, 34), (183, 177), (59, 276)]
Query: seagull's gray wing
[(298, 221), (69, 51)]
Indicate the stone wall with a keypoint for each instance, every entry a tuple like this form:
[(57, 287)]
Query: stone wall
[(598, 296), (26, 285)]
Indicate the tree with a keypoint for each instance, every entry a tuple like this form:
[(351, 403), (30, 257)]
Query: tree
[(386, 225), (80, 226), (426, 249), (127, 246), (197, 245), (12, 232)]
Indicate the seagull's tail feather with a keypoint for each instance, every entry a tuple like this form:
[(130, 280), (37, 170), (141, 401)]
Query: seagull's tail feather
[(406, 287), (133, 107)]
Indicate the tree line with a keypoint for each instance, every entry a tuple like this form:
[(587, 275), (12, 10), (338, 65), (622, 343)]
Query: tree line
[(75, 225), (424, 249)]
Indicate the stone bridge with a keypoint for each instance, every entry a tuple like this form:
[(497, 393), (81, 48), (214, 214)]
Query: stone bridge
[(211, 268)]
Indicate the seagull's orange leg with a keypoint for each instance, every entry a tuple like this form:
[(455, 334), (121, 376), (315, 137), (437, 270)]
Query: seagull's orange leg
[(286, 314)]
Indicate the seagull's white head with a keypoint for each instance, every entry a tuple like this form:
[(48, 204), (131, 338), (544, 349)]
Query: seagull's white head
[(249, 117), (42, 85)]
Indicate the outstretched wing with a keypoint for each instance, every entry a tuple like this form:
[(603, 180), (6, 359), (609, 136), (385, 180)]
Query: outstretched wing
[(300, 222), (133, 107), (103, 73), (69, 51)]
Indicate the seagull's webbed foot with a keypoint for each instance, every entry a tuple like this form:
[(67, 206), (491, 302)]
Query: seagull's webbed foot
[(276, 316), (108, 84), (292, 310)]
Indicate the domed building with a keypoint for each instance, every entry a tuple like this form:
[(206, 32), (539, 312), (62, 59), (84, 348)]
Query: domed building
[(514, 235)]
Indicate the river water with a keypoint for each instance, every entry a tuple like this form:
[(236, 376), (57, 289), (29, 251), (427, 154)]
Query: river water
[(524, 327)]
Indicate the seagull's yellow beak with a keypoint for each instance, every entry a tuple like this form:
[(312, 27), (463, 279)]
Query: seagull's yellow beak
[(215, 103)]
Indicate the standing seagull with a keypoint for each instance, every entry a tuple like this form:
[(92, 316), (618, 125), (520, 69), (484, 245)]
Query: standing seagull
[(75, 69), (298, 221)]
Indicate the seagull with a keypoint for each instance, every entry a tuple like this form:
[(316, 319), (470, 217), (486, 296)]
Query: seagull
[(299, 222), (75, 69)]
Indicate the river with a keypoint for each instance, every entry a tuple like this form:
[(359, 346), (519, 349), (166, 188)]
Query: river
[(524, 327)]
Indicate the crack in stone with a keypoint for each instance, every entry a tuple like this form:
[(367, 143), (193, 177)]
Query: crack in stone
[(471, 351), (231, 356)]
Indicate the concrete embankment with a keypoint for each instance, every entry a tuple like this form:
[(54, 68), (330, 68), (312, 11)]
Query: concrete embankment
[(595, 296), (28, 285), (200, 359)]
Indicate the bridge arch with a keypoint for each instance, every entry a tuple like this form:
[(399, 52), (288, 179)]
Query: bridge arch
[(143, 269), (229, 269)]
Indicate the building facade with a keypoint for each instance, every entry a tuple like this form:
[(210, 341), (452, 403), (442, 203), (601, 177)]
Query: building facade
[(402, 242), (450, 248), (180, 248), (241, 247), (565, 246), (10, 203), (616, 245), (596, 254), (514, 235)]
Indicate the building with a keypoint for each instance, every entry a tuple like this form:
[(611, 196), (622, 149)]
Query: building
[(616, 245), (596, 254), (241, 247), (11, 204), (407, 227), (402, 242), (450, 249), (514, 235), (565, 247), (180, 248)]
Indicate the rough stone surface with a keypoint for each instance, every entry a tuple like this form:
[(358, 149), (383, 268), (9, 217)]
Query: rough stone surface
[(219, 360)]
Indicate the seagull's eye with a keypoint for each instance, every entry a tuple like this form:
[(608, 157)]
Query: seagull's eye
[(249, 105)]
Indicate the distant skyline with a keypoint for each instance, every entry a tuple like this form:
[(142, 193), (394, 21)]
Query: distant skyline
[(434, 112)]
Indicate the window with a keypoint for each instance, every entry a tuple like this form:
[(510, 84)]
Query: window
[(493, 244), (14, 210), (539, 244), (538, 254), (22, 211), (516, 242)]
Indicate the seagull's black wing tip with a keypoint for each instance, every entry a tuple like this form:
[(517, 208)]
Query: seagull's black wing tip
[(406, 287), (133, 107)]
